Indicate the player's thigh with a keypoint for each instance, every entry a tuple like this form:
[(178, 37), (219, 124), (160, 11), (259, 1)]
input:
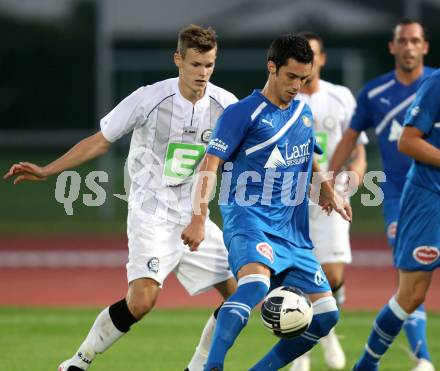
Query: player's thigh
[(418, 234), (304, 273), (330, 237), (200, 270), (154, 246)]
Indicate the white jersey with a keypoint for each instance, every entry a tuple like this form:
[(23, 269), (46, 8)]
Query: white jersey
[(332, 108), (169, 139)]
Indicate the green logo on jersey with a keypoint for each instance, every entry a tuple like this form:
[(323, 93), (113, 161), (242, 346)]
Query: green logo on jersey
[(181, 160), (322, 139)]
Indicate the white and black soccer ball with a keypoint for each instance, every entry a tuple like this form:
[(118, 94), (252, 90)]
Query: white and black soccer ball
[(286, 312)]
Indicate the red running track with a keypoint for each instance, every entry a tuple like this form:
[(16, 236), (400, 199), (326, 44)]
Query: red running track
[(368, 287)]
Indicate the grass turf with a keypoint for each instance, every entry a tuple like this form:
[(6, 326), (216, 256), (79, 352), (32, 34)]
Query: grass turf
[(37, 339)]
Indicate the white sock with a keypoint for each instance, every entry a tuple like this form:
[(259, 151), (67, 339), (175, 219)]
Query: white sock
[(101, 336), (201, 354)]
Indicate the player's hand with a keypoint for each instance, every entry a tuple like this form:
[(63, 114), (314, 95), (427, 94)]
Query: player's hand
[(337, 203), (194, 234), (25, 171)]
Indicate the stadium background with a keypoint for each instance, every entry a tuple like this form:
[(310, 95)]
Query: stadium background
[(66, 63)]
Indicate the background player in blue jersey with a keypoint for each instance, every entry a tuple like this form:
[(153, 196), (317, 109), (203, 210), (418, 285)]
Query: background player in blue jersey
[(265, 143), (381, 105), (417, 251)]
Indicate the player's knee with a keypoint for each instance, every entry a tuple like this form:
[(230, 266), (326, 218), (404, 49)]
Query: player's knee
[(326, 315), (140, 305)]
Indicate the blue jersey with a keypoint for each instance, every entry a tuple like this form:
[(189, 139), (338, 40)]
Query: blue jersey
[(268, 160), (382, 104), (424, 114)]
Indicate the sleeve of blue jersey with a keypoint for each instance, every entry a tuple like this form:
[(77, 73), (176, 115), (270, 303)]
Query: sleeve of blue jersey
[(361, 119), (426, 107), (229, 132)]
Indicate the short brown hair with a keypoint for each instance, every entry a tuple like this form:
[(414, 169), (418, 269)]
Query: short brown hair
[(196, 37)]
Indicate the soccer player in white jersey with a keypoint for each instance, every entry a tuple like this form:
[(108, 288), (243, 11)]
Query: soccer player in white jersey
[(332, 107), (171, 122)]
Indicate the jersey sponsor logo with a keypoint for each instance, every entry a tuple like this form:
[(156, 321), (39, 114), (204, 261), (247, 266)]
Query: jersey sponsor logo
[(437, 125), (275, 159), (181, 160), (391, 230), (293, 155), (395, 131), (153, 265), (319, 277), (266, 250), (206, 135), (218, 144), (426, 254)]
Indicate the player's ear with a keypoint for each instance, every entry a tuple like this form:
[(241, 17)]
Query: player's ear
[(391, 47), (323, 58), (178, 59), (271, 67), (425, 47)]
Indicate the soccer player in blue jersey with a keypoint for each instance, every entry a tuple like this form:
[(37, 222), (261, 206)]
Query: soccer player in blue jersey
[(417, 251), (265, 143), (381, 105)]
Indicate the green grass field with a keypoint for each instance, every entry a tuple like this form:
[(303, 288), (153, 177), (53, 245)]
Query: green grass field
[(37, 339)]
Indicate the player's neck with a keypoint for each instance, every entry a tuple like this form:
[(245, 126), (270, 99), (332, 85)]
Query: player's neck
[(189, 94), (311, 87), (408, 77), (271, 95)]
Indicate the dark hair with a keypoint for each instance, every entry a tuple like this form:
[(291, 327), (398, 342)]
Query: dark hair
[(309, 35), (196, 37), (289, 46), (407, 21)]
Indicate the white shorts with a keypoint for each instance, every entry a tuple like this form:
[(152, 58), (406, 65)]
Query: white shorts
[(156, 249), (330, 235)]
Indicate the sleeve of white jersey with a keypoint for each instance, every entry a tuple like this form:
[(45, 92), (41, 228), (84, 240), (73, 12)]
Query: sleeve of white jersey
[(124, 117), (350, 106)]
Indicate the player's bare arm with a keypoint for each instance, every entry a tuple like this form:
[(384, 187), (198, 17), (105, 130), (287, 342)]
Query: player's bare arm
[(194, 233), (85, 150), (329, 199), (411, 143), (358, 163), (344, 150)]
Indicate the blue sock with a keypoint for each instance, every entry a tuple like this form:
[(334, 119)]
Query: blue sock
[(233, 316), (286, 350), (415, 330), (386, 327)]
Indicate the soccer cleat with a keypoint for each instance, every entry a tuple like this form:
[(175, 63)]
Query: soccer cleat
[(65, 366), (423, 365), (301, 363), (333, 354)]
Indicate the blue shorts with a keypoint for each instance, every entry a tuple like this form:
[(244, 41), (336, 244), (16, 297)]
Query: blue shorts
[(290, 265), (418, 234), (391, 213)]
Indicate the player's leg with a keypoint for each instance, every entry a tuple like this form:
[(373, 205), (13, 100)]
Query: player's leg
[(253, 285), (307, 275), (151, 259), (330, 237), (416, 255), (200, 271), (114, 322), (415, 324), (411, 293), (325, 316)]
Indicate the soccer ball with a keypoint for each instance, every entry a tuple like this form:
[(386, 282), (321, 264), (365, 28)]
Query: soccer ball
[(286, 312)]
